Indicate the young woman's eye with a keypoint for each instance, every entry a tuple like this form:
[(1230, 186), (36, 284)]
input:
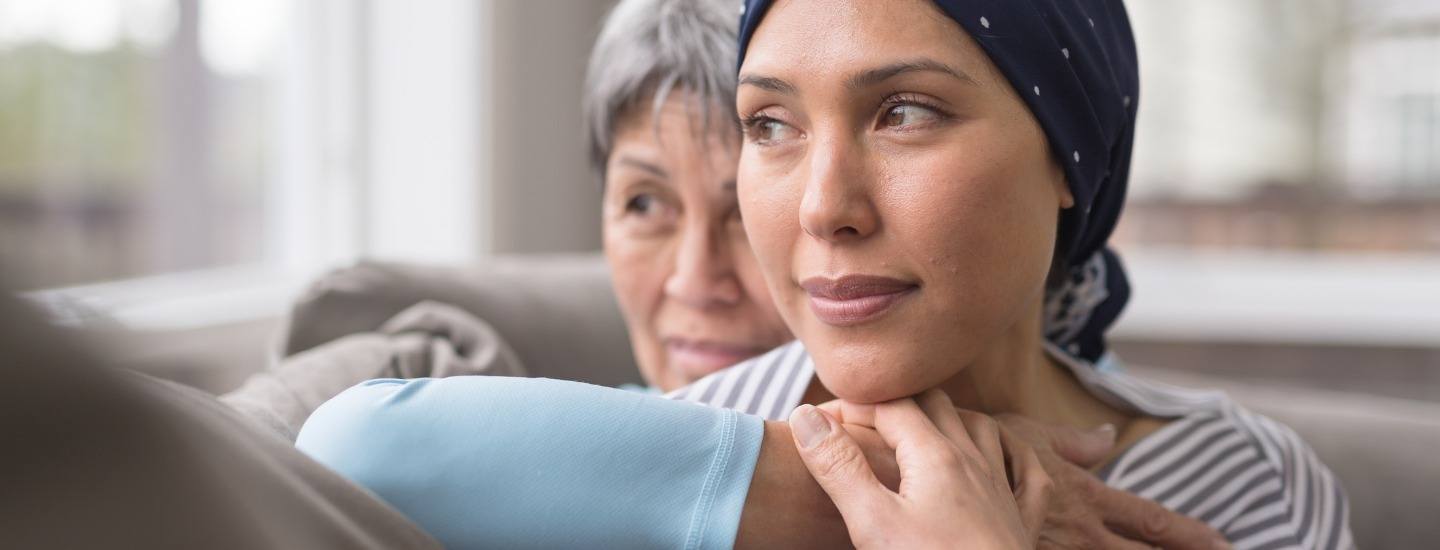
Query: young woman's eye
[(764, 130), (909, 115)]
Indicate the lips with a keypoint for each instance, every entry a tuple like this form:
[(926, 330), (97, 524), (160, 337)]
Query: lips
[(854, 299), (697, 358)]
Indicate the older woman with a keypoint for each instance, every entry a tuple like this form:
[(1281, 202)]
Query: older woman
[(929, 187), (664, 143)]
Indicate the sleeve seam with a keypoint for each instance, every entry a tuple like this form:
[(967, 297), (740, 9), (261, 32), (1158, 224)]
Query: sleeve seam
[(719, 466)]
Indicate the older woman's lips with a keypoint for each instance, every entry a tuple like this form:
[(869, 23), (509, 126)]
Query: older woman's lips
[(698, 358), (854, 299)]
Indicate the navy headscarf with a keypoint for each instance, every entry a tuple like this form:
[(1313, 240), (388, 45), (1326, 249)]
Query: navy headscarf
[(1073, 62)]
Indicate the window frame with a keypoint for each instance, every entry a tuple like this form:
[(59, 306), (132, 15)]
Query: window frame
[(1306, 298)]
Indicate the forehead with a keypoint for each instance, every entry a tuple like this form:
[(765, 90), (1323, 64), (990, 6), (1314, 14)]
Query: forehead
[(680, 136), (830, 38), (681, 120)]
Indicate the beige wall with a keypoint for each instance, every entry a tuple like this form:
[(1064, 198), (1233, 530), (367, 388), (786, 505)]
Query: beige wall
[(544, 197)]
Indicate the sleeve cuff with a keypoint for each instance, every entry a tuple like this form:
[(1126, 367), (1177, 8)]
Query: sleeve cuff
[(716, 519)]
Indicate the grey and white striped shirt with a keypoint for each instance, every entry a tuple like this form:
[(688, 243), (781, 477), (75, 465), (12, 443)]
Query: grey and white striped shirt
[(1249, 477)]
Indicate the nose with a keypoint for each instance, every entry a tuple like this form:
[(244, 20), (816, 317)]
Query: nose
[(836, 206), (704, 273)]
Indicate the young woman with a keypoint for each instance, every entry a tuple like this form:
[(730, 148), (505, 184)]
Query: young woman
[(929, 186)]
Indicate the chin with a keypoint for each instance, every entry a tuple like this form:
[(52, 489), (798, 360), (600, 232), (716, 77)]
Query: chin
[(879, 377), (902, 355), (863, 393)]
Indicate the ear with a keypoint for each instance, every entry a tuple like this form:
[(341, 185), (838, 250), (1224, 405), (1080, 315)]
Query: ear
[(1062, 190)]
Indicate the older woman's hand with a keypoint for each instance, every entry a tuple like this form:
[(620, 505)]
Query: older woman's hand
[(954, 490), (1083, 512)]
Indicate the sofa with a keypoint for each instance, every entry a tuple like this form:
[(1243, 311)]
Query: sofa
[(558, 313)]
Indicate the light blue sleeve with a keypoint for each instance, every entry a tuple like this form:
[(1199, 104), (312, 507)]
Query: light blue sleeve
[(496, 462)]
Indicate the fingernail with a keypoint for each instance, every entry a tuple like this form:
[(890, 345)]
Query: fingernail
[(809, 426), (1221, 544), (1106, 431)]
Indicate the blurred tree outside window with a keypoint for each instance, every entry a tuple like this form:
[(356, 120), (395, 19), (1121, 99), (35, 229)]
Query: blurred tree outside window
[(132, 138)]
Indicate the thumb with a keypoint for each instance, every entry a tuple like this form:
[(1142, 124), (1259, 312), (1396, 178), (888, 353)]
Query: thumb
[(837, 463), (1084, 448)]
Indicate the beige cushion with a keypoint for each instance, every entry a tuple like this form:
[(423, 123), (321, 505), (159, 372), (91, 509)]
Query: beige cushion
[(557, 312), (1384, 451)]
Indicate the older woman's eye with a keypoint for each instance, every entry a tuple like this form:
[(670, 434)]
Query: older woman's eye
[(642, 204), (648, 214), (907, 115)]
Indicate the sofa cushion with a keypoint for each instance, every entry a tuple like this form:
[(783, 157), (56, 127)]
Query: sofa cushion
[(557, 312), (1384, 450)]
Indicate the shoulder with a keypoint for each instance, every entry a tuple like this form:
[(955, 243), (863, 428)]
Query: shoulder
[(767, 386), (1248, 476), (355, 431), (496, 462)]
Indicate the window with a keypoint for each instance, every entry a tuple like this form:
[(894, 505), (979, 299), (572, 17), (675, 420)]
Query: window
[(1286, 178), (1287, 125), (181, 162), (132, 136)]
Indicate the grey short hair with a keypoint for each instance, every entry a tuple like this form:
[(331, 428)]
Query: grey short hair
[(649, 48)]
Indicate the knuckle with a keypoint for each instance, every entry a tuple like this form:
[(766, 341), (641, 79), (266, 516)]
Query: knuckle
[(1040, 483), (943, 457), (1101, 497), (987, 425), (1015, 421), (1041, 480), (836, 461), (987, 422), (1092, 487), (1045, 490), (1154, 522), (981, 426), (1093, 536)]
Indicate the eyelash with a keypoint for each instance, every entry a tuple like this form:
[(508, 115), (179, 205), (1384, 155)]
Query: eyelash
[(913, 100), (749, 123), (633, 206)]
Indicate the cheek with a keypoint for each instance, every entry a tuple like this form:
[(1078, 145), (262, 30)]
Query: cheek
[(771, 214), (748, 271), (984, 231), (638, 268)]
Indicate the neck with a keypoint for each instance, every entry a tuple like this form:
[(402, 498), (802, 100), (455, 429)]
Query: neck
[(1015, 375)]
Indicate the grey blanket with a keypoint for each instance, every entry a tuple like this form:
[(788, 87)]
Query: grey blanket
[(429, 339)]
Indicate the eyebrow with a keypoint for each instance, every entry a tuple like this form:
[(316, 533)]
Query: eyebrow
[(644, 166), (871, 77), (767, 83), (866, 78)]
